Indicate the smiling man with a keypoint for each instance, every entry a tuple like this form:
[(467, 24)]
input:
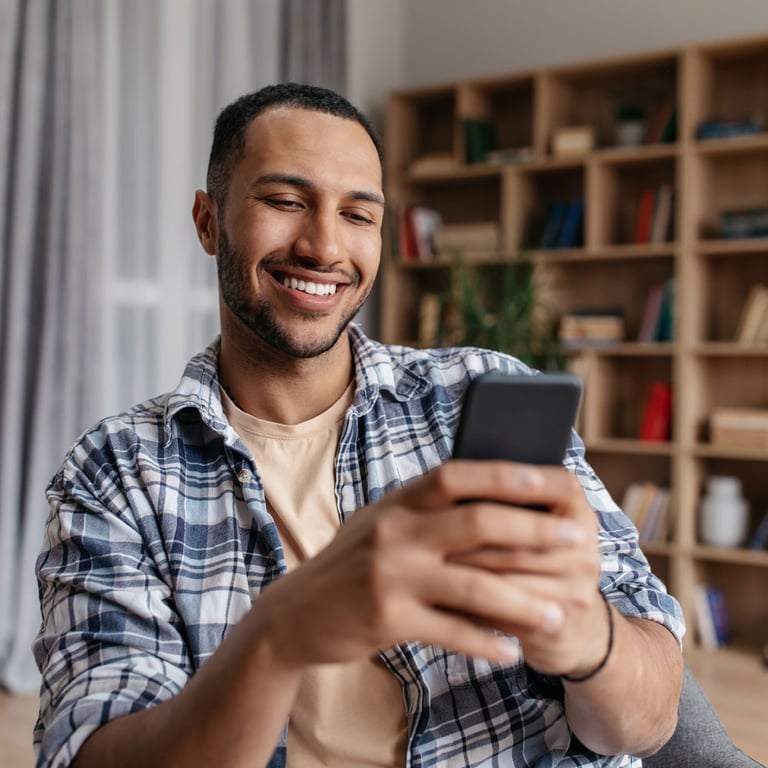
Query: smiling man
[(278, 564)]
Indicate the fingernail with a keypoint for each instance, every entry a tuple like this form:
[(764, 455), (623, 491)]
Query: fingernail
[(552, 616), (509, 648), (570, 533)]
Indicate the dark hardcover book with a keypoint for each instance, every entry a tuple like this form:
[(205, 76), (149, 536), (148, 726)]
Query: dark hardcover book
[(570, 235), (718, 608), (669, 132), (479, 139), (553, 225), (666, 327), (759, 538)]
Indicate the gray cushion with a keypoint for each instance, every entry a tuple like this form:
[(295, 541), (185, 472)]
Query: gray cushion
[(700, 741)]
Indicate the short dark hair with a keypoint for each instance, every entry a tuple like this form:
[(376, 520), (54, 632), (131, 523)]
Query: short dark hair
[(231, 124)]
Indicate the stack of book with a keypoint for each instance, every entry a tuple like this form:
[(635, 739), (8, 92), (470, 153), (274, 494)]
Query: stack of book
[(646, 504), (739, 427), (591, 328)]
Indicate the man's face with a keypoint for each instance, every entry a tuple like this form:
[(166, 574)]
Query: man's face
[(300, 231)]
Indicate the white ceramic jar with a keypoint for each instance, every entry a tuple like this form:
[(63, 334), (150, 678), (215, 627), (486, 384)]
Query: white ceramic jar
[(724, 513)]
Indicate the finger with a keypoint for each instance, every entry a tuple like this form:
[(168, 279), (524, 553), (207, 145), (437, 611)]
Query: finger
[(533, 561), (507, 482), (490, 598), (478, 525)]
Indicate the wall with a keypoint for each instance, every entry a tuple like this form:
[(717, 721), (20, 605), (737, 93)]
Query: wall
[(455, 39)]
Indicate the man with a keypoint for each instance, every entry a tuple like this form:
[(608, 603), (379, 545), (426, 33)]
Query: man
[(277, 563)]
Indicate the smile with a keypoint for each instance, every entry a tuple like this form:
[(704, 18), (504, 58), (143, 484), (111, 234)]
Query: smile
[(307, 286)]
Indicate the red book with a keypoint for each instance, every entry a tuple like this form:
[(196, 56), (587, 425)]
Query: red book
[(645, 216), (657, 412)]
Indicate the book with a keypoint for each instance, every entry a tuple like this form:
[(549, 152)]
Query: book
[(754, 315), (571, 231), (662, 215), (759, 537), (659, 122), (479, 139), (430, 309), (705, 624), (573, 140), (739, 427), (666, 327), (425, 222), (591, 327), (649, 324), (555, 217), (719, 612), (656, 418), (645, 216)]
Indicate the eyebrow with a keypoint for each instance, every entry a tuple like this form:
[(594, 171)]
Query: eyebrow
[(303, 183)]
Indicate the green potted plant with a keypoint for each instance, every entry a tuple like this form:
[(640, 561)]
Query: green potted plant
[(501, 307)]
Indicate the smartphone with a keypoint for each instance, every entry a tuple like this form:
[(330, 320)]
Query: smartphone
[(519, 418)]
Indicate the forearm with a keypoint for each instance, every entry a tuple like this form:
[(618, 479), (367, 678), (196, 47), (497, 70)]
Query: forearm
[(231, 713), (630, 706)]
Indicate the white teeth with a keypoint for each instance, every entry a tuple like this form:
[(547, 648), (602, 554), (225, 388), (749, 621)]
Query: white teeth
[(313, 289)]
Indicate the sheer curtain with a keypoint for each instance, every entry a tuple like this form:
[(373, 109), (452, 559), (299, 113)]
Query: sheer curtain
[(106, 114)]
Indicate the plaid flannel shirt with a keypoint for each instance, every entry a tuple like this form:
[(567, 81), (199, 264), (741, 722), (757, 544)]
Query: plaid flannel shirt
[(159, 542)]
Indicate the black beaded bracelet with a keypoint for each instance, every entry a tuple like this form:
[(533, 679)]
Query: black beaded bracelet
[(599, 667)]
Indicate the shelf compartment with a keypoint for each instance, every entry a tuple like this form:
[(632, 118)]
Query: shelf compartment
[(623, 284), (422, 125), (507, 104), (751, 473), (590, 95), (724, 277), (733, 80), (727, 182), (615, 394), (617, 187), (739, 381), (740, 583)]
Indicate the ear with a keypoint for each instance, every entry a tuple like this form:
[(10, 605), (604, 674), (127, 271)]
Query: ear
[(206, 220)]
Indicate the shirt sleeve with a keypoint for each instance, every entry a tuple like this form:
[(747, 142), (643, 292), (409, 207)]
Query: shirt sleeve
[(110, 642), (626, 577)]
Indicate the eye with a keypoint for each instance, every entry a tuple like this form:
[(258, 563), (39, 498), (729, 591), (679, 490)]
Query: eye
[(359, 217), (282, 202)]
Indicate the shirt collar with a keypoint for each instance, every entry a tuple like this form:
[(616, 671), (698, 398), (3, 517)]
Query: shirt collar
[(377, 370)]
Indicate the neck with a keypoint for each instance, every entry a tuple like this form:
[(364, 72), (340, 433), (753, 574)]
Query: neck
[(272, 386)]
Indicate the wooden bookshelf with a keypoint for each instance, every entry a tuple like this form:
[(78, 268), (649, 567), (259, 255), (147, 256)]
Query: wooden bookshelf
[(607, 268)]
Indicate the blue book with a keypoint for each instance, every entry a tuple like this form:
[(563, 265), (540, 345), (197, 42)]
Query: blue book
[(555, 220), (571, 232)]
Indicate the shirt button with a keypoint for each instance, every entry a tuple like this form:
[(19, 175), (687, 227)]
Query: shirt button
[(244, 476)]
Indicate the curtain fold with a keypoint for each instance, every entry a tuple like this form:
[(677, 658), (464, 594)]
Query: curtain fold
[(49, 230), (314, 43)]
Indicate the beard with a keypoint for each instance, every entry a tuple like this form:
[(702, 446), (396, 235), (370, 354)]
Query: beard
[(258, 315)]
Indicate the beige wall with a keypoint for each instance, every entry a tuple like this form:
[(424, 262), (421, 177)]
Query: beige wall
[(454, 39)]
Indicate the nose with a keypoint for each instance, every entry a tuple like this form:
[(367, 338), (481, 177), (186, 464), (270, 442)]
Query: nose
[(318, 240)]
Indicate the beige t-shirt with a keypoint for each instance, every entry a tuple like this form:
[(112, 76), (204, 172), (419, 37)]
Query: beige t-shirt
[(348, 715)]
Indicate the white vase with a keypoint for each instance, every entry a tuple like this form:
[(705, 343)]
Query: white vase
[(724, 513)]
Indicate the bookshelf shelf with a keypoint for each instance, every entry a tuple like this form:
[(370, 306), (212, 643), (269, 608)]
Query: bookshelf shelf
[(614, 264)]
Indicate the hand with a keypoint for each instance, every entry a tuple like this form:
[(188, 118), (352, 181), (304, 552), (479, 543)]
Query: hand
[(421, 566), (574, 639)]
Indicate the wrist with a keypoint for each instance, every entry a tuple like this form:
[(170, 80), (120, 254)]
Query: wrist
[(581, 676)]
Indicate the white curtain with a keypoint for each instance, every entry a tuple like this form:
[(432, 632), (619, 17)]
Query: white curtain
[(106, 114)]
